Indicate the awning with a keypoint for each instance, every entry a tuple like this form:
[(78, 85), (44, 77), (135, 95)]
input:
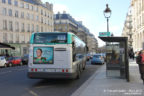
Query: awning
[(6, 46), (113, 39)]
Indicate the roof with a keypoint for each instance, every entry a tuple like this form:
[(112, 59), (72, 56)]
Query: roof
[(31, 1), (113, 39), (36, 2), (5, 46)]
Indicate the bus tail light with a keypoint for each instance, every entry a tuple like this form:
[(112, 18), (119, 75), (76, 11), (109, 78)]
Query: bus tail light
[(66, 70), (62, 70), (32, 69), (36, 70)]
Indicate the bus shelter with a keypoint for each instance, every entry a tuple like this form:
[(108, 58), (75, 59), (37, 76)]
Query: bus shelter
[(117, 64)]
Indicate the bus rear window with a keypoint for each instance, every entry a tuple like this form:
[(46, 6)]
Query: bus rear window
[(50, 38)]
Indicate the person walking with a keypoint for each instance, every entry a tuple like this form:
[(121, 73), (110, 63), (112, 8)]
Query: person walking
[(140, 62)]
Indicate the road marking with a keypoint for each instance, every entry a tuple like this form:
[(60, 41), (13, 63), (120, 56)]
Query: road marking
[(31, 92)]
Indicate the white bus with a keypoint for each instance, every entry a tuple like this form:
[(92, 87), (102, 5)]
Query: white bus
[(56, 55)]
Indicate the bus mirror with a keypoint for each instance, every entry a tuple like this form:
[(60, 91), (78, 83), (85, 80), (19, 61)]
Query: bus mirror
[(87, 48), (73, 44)]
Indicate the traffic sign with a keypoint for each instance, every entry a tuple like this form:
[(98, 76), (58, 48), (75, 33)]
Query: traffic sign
[(104, 34)]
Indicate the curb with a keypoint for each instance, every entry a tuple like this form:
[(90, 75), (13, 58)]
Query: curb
[(85, 85)]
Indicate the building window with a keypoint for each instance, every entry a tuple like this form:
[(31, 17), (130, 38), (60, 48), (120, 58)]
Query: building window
[(32, 17), (36, 9), (17, 26), (45, 13), (11, 37), (5, 24), (48, 14), (42, 20), (22, 5), (22, 29), (45, 21), (41, 29), (22, 14), (4, 11), (27, 6), (16, 3), (5, 37), (28, 28), (28, 16), (48, 22), (16, 13), (31, 7), (3, 1), (10, 12), (17, 38), (37, 28), (41, 12), (32, 27), (37, 18), (9, 2), (10, 26)]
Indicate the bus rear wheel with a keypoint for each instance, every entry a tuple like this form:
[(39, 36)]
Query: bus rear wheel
[(84, 65), (78, 72)]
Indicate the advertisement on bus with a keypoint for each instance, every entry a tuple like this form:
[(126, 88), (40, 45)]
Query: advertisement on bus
[(43, 55)]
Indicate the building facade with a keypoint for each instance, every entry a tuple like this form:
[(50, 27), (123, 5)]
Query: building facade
[(127, 29), (20, 18), (63, 22), (138, 24), (92, 43)]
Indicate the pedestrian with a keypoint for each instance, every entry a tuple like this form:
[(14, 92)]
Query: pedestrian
[(133, 55), (140, 62)]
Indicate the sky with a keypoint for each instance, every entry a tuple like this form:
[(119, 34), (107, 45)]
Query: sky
[(90, 12)]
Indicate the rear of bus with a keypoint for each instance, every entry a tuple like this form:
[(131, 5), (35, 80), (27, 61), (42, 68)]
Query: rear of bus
[(50, 55)]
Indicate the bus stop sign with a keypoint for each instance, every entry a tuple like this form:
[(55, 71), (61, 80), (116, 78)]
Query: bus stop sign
[(104, 34)]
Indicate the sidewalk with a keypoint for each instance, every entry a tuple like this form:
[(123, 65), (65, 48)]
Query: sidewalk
[(100, 85)]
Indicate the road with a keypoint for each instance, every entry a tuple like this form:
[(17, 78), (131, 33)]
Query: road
[(14, 82)]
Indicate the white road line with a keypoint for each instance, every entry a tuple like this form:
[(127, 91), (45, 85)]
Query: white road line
[(32, 92)]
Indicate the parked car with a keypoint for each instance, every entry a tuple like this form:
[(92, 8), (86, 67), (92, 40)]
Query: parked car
[(11, 61), (2, 61), (97, 59), (25, 59)]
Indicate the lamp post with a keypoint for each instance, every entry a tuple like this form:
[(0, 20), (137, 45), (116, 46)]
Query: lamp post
[(107, 14)]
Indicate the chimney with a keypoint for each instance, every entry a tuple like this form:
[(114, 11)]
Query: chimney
[(47, 4), (64, 12)]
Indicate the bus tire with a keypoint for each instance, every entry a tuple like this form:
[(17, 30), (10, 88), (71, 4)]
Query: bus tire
[(78, 72), (84, 65)]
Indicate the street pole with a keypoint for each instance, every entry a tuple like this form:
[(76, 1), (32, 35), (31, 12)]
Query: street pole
[(107, 24)]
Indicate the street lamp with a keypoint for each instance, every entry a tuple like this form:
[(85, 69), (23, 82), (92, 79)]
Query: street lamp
[(107, 14)]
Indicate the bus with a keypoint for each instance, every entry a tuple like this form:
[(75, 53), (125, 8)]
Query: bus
[(56, 55)]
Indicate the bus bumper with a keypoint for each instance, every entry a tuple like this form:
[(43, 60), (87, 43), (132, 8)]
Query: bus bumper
[(46, 75)]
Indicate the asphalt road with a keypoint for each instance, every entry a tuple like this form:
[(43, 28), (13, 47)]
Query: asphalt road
[(14, 82)]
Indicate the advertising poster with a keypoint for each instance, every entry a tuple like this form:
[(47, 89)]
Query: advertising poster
[(43, 55)]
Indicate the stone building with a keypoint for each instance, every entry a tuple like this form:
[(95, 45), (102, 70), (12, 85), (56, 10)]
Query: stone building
[(20, 18)]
